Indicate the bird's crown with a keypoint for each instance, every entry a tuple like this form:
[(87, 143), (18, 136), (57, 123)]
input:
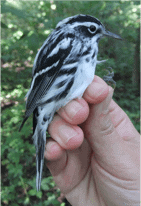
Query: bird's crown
[(81, 18)]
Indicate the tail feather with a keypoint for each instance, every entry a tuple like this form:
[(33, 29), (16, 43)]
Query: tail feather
[(35, 114), (39, 141), (23, 123)]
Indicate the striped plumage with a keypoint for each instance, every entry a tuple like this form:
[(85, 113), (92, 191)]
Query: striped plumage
[(63, 69)]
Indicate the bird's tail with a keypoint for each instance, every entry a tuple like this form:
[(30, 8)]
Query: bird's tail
[(39, 141)]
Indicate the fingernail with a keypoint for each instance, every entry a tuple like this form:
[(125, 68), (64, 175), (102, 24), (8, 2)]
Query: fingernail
[(105, 106), (95, 87), (66, 132), (102, 90), (72, 108)]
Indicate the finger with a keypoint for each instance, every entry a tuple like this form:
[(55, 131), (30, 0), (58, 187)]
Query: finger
[(99, 126), (122, 123), (55, 157), (111, 151), (66, 135), (53, 151), (97, 91), (71, 167), (77, 111)]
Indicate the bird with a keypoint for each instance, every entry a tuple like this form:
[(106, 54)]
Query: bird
[(63, 68)]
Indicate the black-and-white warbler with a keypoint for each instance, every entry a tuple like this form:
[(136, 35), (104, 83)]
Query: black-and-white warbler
[(63, 68)]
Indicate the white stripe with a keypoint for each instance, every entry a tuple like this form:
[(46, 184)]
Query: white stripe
[(69, 66), (64, 44), (64, 21), (39, 73), (37, 55), (87, 24)]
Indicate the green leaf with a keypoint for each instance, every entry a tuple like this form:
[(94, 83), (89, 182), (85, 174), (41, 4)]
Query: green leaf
[(17, 12), (4, 26), (32, 192), (33, 40), (39, 194)]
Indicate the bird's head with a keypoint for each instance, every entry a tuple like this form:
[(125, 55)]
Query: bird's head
[(86, 27)]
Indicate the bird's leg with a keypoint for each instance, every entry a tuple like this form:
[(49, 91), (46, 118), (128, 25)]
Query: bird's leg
[(109, 77)]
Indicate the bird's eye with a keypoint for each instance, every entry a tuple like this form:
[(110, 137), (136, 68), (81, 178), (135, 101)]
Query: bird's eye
[(92, 29)]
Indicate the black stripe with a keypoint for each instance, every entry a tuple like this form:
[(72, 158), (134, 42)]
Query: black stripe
[(60, 84), (66, 91), (70, 36), (82, 19), (52, 71), (67, 71), (63, 94), (97, 32), (49, 61), (43, 82), (43, 61), (87, 51), (35, 114), (69, 85), (93, 55), (50, 99)]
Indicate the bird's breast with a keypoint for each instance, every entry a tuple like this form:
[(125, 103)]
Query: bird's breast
[(83, 77)]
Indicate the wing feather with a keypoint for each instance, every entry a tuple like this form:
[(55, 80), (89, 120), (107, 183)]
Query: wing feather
[(43, 79)]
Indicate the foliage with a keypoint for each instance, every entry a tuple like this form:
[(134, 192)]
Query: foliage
[(25, 26)]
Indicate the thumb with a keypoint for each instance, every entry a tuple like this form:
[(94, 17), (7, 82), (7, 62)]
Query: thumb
[(105, 130), (99, 129), (99, 122)]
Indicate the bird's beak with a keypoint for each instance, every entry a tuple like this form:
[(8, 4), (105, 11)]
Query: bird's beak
[(108, 33)]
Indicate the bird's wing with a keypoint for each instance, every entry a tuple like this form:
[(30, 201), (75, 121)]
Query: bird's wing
[(46, 68)]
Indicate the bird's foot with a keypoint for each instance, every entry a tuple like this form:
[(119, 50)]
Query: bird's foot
[(109, 77)]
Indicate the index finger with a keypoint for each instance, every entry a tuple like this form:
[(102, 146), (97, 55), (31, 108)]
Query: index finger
[(77, 110)]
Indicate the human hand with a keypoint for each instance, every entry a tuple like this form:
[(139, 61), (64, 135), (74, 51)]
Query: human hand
[(97, 162)]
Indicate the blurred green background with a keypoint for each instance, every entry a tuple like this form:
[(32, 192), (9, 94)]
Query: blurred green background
[(25, 26)]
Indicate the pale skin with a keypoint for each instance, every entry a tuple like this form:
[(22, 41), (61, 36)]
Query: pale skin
[(94, 151)]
